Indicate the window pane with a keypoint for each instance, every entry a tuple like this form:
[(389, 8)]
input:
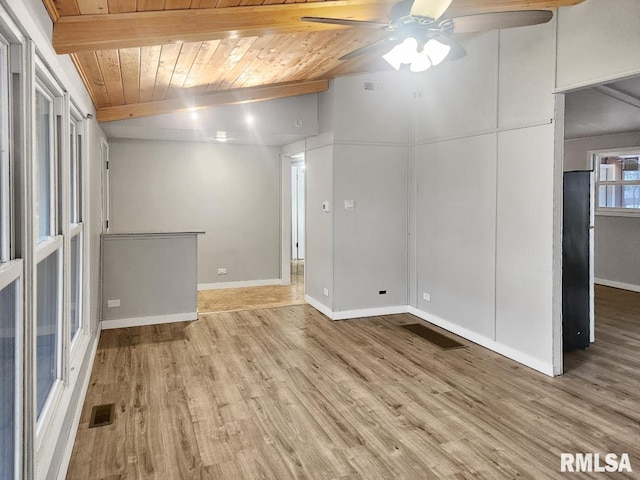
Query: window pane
[(630, 169), (76, 284), (610, 196), (631, 196), (43, 166), (73, 172), (8, 323), (610, 169), (47, 327)]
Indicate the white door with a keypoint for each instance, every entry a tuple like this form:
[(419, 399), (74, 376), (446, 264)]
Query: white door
[(297, 211)]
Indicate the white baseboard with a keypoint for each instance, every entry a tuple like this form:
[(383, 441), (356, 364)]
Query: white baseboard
[(349, 314), (326, 311), (370, 312), (154, 320), (243, 284), (504, 350), (614, 284), (75, 423)]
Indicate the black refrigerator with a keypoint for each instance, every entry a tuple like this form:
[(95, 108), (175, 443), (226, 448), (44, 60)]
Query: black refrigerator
[(576, 288)]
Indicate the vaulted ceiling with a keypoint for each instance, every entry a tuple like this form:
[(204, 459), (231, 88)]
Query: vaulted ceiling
[(147, 57)]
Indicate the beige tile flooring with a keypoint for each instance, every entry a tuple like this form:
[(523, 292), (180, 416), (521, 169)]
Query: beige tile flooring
[(251, 298)]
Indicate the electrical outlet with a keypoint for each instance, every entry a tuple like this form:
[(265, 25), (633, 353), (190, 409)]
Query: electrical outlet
[(325, 291), (113, 303), (426, 296), (222, 271)]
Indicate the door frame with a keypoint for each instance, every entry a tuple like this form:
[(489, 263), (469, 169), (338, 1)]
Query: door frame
[(293, 155)]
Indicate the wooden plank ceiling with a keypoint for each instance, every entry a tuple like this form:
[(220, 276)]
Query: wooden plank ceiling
[(146, 57)]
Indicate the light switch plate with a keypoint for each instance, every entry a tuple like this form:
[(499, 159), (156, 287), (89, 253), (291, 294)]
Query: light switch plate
[(222, 271), (113, 303)]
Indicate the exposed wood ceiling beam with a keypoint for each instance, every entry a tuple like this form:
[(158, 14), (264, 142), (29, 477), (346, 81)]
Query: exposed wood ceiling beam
[(124, 30), (72, 34), (226, 97)]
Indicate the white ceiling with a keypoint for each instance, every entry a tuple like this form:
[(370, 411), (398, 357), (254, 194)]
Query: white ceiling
[(594, 111), (589, 112), (270, 123)]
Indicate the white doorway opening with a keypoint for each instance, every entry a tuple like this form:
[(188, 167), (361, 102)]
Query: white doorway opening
[(297, 208)]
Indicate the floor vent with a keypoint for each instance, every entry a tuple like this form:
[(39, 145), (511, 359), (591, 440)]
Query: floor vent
[(102, 415), (444, 342)]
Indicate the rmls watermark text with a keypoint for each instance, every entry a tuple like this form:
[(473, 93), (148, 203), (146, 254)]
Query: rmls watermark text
[(593, 462)]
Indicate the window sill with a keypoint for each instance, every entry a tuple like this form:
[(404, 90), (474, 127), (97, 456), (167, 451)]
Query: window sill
[(616, 213)]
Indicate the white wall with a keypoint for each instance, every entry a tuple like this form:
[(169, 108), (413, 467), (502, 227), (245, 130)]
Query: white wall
[(362, 251), (576, 150), (370, 240), (232, 192), (598, 42), (484, 208), (617, 239), (319, 227), (456, 229)]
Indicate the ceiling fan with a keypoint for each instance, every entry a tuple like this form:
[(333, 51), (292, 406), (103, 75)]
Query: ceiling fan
[(421, 36)]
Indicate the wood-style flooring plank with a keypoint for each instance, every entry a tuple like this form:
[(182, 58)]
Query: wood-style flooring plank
[(285, 393)]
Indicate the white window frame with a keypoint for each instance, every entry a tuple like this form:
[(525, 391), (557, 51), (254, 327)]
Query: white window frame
[(594, 157), (12, 269), (5, 196), (53, 178), (79, 342), (46, 83)]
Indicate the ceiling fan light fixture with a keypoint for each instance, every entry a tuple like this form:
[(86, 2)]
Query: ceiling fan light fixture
[(404, 52), (436, 51), (421, 62)]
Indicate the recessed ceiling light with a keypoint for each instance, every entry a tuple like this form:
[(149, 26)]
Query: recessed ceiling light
[(249, 119), (221, 136)]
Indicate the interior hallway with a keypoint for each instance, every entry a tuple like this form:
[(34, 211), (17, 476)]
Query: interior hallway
[(285, 393), (234, 299)]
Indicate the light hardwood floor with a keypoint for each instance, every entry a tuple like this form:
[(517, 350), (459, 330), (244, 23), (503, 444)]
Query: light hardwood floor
[(286, 393), (251, 298)]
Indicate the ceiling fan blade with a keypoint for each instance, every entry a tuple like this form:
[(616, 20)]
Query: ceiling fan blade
[(457, 51), (430, 8), (344, 21), (370, 48), (498, 20)]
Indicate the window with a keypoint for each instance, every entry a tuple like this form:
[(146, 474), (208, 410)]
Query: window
[(48, 315), (75, 171), (44, 168), (10, 287), (49, 342), (76, 284), (8, 358), (618, 182), (5, 219), (75, 219)]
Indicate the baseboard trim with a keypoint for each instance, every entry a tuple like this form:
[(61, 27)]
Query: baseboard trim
[(75, 423), (614, 284), (370, 312), (504, 350), (242, 284), (326, 311), (350, 314), (154, 320)]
